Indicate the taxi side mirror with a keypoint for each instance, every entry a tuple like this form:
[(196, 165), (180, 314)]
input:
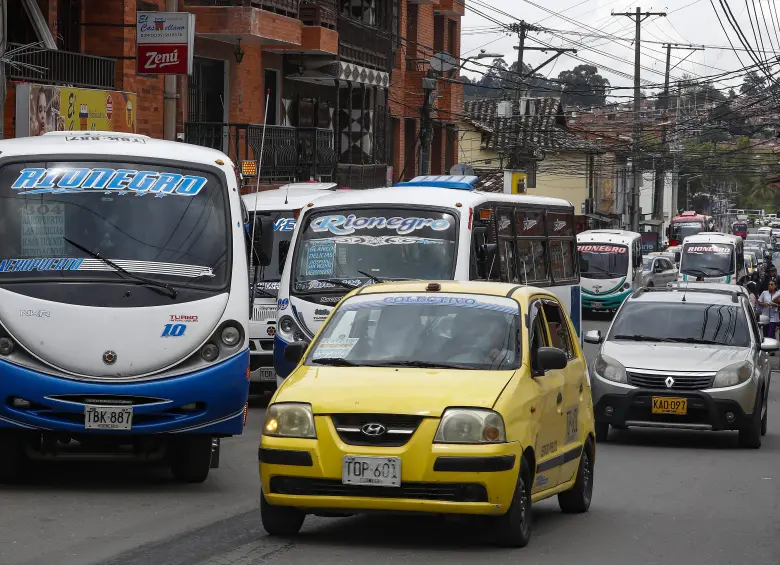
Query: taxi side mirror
[(550, 359), (293, 353)]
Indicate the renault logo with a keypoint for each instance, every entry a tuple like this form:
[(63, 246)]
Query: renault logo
[(373, 430), (669, 382), (109, 357)]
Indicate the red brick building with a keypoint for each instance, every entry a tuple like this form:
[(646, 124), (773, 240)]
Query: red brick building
[(344, 79)]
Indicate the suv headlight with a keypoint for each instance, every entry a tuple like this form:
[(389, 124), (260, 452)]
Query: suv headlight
[(607, 368), (289, 419), (734, 374), (470, 425)]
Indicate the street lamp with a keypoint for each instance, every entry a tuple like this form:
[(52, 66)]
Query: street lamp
[(688, 187), (481, 55)]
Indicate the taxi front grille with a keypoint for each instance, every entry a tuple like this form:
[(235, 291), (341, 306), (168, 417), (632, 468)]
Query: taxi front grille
[(397, 428), (450, 492), (678, 382)]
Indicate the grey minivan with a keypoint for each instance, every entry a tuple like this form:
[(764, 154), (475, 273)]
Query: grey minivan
[(689, 357)]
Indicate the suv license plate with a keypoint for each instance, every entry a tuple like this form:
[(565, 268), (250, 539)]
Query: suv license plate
[(377, 471), (108, 417), (663, 405)]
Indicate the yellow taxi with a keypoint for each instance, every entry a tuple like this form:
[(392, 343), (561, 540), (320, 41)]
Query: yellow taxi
[(441, 397)]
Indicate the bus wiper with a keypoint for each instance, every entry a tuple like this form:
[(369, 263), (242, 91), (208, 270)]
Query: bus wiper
[(372, 277), (642, 338), (338, 282), (605, 271), (170, 291), (336, 362)]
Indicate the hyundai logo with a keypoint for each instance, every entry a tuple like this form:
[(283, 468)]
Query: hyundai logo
[(669, 382), (373, 430), (109, 357)]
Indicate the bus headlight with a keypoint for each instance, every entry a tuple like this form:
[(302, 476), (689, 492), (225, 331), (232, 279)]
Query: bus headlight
[(209, 352), (289, 330), (231, 336), (6, 346)]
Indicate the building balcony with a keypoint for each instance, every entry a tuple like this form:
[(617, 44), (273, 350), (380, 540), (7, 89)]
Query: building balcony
[(451, 8), (288, 154), (36, 64), (277, 25), (424, 2)]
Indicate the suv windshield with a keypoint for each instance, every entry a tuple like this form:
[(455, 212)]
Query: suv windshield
[(284, 224), (707, 259), (689, 322), (350, 249), (420, 330), (158, 221), (603, 260)]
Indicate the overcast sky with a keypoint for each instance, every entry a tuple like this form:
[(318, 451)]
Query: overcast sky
[(687, 22)]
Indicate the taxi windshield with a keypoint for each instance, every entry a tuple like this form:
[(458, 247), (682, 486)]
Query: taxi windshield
[(422, 330)]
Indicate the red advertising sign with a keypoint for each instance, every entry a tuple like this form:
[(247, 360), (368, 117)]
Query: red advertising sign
[(109, 106), (164, 42), (163, 59), (602, 249)]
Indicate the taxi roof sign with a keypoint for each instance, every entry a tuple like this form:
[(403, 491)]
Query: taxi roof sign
[(461, 182)]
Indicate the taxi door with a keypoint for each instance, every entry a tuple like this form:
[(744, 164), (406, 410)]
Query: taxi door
[(574, 385), (551, 384)]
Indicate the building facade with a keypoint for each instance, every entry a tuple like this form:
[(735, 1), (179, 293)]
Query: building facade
[(314, 89)]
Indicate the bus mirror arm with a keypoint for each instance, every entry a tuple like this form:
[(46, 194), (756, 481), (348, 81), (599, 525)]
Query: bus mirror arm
[(486, 254), (264, 240)]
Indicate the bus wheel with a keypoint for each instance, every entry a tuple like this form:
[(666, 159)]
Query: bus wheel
[(190, 458), (12, 456)]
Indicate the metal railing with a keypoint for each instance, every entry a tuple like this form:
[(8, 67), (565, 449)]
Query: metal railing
[(36, 64), (286, 7), (288, 154)]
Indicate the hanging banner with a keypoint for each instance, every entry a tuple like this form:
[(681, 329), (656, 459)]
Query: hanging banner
[(164, 43), (43, 108)]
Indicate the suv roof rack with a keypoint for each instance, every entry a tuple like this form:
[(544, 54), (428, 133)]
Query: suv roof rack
[(688, 287)]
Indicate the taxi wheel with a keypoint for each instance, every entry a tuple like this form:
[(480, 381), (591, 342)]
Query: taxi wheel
[(514, 528), (280, 520), (602, 431), (750, 436), (577, 499)]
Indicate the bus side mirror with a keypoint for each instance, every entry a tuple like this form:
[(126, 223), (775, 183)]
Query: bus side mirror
[(284, 249), (677, 257), (264, 240)]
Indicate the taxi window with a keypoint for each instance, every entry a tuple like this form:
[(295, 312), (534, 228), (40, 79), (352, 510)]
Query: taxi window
[(537, 336), (558, 328)]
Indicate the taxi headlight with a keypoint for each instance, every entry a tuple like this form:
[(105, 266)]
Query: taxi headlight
[(464, 425), (734, 374), (289, 419), (606, 367)]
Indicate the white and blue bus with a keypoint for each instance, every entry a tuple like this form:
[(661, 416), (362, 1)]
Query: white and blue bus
[(432, 228), (610, 261), (124, 302)]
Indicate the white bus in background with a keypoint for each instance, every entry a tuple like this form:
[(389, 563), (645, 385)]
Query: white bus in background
[(282, 206), (712, 257), (609, 263), (432, 228)]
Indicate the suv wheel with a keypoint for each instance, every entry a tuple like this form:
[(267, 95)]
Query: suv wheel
[(764, 419), (750, 435)]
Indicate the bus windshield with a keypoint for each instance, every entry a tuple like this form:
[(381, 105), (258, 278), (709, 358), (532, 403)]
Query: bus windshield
[(603, 260), (340, 250), (59, 219), (707, 260), (681, 230), (284, 224)]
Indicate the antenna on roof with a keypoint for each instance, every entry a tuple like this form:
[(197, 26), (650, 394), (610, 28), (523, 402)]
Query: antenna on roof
[(686, 290), (254, 223)]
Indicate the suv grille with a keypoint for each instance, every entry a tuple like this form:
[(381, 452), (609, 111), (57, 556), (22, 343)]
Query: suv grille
[(681, 382), (452, 492), (398, 428)]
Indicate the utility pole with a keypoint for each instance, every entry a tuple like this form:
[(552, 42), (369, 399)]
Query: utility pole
[(426, 124), (660, 176), (638, 17), (522, 29)]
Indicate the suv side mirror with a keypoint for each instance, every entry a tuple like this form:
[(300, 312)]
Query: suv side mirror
[(264, 239), (763, 320), (770, 344), (550, 359), (593, 336), (293, 353)]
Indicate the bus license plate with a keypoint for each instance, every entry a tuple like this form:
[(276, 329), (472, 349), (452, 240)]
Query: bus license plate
[(677, 406), (377, 471), (267, 375), (108, 417)]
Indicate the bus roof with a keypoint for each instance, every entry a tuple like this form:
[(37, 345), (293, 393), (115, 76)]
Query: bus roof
[(688, 217), (280, 199), (431, 196), (713, 238), (107, 143), (608, 236)]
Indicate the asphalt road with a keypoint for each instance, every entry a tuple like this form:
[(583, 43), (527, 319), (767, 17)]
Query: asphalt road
[(660, 497)]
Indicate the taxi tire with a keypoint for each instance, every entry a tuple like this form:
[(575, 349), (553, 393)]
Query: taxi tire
[(191, 459), (577, 499), (602, 431), (750, 436), (280, 520), (513, 529)]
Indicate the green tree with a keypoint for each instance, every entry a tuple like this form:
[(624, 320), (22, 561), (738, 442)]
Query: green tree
[(583, 86)]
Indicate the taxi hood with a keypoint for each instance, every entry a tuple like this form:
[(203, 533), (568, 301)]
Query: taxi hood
[(390, 390)]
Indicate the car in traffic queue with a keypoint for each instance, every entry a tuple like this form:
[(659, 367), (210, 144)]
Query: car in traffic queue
[(464, 398), (658, 269), (686, 357), (751, 263)]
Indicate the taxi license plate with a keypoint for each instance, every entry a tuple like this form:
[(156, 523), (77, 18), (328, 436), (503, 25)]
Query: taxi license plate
[(377, 471), (663, 405), (108, 417), (267, 375)]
